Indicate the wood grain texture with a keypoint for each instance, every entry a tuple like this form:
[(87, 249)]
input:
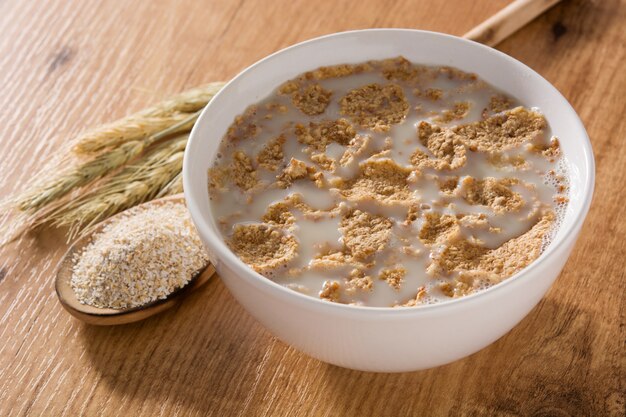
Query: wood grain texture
[(67, 65)]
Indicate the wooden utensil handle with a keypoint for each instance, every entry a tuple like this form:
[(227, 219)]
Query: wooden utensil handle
[(508, 20)]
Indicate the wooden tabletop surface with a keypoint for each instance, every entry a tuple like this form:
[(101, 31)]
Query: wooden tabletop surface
[(67, 65)]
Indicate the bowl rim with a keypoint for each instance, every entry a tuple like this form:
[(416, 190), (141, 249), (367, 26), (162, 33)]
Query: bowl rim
[(243, 271)]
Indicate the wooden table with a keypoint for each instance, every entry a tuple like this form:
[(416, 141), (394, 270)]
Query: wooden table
[(65, 66)]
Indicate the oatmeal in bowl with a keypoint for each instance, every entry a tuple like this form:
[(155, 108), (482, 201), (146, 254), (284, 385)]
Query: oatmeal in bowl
[(388, 200)]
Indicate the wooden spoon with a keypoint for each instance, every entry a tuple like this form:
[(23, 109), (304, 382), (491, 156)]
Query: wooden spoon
[(509, 20), (110, 316)]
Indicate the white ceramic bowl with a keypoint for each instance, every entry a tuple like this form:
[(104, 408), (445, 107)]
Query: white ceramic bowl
[(388, 339)]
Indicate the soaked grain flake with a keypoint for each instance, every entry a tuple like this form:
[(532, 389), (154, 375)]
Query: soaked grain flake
[(388, 184)]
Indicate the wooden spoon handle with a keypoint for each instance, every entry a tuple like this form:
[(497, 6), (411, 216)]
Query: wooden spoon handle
[(508, 20)]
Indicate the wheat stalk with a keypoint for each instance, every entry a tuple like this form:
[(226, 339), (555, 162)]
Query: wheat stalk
[(175, 110), (69, 197), (62, 184), (135, 184), (117, 133), (188, 101), (175, 186), (96, 168)]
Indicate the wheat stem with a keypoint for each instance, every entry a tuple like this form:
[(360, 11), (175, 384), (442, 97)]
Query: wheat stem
[(156, 170), (133, 185), (124, 130), (147, 122), (78, 176), (181, 126), (96, 168), (188, 101), (175, 186)]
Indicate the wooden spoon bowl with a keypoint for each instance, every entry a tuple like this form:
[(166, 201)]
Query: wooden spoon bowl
[(111, 316)]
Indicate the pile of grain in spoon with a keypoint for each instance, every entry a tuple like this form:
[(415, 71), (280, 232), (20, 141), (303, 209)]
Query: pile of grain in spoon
[(140, 257)]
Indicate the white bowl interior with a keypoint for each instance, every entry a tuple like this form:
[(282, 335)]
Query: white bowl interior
[(498, 69)]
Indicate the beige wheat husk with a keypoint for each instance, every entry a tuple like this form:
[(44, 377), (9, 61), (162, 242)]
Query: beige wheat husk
[(77, 177), (129, 129), (175, 186), (133, 185), (117, 166), (146, 122)]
